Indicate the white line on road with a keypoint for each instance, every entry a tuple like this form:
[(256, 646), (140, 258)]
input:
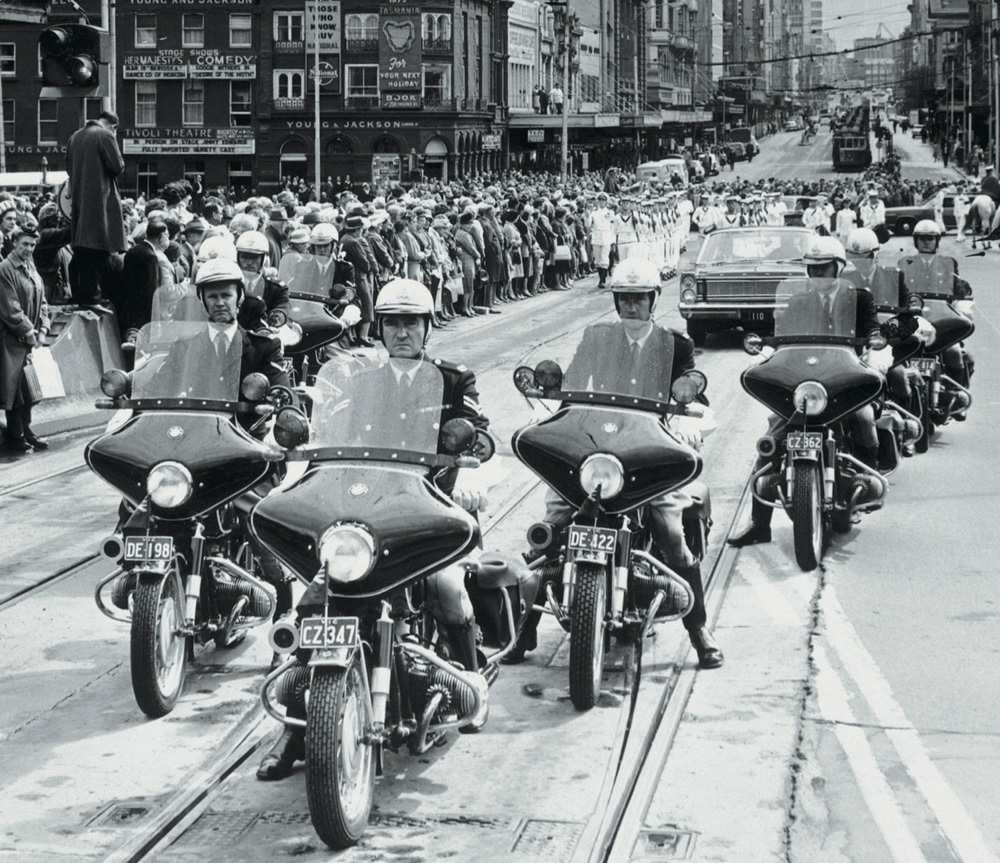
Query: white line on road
[(881, 801), (769, 597)]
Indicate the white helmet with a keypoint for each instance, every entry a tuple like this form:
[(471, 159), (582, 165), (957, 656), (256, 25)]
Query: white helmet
[(216, 270), (252, 242), (404, 297), (216, 247), (635, 275), (323, 234), (824, 250), (927, 228), (862, 242)]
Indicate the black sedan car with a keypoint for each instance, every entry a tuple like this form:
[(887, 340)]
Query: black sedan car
[(901, 220)]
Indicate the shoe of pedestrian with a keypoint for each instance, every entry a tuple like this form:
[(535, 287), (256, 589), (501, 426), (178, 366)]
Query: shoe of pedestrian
[(494, 311), (960, 416), (709, 652), (280, 759), (35, 441), (16, 444), (750, 535)]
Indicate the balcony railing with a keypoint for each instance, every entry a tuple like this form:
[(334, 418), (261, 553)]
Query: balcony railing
[(361, 46), (437, 46), (286, 103)]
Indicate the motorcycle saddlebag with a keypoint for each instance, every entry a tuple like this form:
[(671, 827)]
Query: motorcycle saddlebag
[(486, 583)]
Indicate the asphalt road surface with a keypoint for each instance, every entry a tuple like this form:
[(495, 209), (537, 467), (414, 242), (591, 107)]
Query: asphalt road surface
[(855, 718)]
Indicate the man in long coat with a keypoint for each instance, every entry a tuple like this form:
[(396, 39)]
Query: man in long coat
[(94, 163)]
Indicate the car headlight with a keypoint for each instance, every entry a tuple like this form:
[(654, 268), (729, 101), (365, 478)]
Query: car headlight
[(347, 553), (169, 484), (810, 398), (602, 470), (689, 288)]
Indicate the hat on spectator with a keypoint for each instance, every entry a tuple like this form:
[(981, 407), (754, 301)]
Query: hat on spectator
[(311, 218), (299, 234), (354, 223), (6, 206), (277, 214), (196, 226)]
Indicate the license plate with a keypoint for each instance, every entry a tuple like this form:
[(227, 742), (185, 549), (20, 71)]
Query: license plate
[(800, 441), (755, 317), (286, 364), (926, 365), (145, 548), (319, 632), (592, 539)]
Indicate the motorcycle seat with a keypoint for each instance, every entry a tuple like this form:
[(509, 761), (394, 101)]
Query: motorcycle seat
[(700, 496)]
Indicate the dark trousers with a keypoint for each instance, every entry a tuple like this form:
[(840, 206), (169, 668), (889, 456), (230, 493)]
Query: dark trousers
[(18, 421), (85, 272)]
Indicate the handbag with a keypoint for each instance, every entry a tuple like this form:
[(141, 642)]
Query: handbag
[(32, 386), (563, 253)]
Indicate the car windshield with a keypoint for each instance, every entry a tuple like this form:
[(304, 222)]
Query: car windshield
[(378, 403), (820, 309), (929, 275), (188, 360), (756, 245)]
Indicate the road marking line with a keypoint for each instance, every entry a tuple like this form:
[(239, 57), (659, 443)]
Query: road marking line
[(833, 700), (769, 597)]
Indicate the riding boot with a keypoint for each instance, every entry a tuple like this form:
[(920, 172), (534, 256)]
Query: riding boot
[(527, 640), (290, 747), (759, 529)]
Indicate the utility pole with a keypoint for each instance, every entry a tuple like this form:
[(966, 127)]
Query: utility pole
[(108, 23), (565, 36), (316, 114), (3, 139)]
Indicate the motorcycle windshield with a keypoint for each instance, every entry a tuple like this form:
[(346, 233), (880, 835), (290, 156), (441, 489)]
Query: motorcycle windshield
[(822, 311), (883, 283), (306, 274), (930, 276), (385, 404), (187, 360)]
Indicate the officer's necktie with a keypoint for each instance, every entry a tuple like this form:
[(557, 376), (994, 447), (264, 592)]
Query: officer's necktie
[(828, 312), (220, 350), (634, 368)]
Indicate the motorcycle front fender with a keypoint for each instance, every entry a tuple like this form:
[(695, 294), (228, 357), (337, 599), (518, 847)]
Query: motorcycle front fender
[(333, 657)]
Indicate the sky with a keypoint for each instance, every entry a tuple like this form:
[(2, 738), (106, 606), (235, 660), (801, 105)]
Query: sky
[(860, 18)]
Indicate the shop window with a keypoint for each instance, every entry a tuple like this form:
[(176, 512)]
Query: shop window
[(8, 59), (240, 31), (145, 31), (362, 85), (92, 108), (437, 83), (195, 169), (193, 30), (288, 26), (146, 179), (240, 103), (48, 121), (193, 107), (240, 172), (145, 103)]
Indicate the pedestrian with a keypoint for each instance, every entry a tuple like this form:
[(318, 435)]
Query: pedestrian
[(543, 100), (536, 101), (94, 163), (556, 99), (24, 323)]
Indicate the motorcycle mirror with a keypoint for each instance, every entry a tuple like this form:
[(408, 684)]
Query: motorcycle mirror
[(549, 375), (457, 435), (254, 387), (290, 334), (876, 341), (484, 447), (753, 344), (687, 387), (916, 302), (280, 397), (291, 428), (114, 383), (524, 379), (277, 319), (338, 292)]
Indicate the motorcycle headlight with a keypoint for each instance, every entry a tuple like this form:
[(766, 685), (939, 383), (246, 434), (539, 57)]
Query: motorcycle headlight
[(347, 553), (605, 471), (810, 398), (169, 484)]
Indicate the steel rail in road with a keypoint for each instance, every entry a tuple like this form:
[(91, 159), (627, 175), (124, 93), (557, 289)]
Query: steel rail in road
[(14, 489)]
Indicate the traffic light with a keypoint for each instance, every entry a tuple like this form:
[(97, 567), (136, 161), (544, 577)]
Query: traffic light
[(71, 59)]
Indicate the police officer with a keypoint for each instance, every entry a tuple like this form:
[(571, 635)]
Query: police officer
[(260, 279)]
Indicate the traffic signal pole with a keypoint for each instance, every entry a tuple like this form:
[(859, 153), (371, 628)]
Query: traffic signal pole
[(108, 22), (565, 105)]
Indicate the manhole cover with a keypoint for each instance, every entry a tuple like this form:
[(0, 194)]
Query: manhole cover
[(122, 813), (666, 844), (554, 840), (219, 828)]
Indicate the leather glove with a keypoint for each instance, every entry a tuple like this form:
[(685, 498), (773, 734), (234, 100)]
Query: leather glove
[(469, 492), (351, 315)]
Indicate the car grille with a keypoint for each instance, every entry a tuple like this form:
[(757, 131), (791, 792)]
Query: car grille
[(740, 289)]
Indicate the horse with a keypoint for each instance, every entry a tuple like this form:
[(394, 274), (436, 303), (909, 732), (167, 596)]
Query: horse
[(981, 214)]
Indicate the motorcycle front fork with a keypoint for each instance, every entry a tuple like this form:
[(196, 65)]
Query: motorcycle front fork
[(619, 570), (192, 591)]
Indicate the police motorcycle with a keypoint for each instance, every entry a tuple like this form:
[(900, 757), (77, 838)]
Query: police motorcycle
[(945, 301), (180, 449), (362, 527), (813, 381), (605, 455)]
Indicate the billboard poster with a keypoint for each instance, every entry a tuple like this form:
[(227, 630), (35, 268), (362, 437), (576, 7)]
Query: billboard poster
[(323, 24), (399, 47), (386, 169), (402, 99)]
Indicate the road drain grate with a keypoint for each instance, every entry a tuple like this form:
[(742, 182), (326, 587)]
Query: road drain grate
[(122, 813), (216, 828), (666, 844), (554, 840)]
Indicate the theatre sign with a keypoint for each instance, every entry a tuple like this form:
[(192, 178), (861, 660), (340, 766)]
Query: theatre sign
[(203, 63), (188, 142)]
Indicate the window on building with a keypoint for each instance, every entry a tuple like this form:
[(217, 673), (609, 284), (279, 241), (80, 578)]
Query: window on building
[(437, 83), (193, 104), (465, 51), (479, 58), (8, 120), (193, 30), (362, 84), (145, 103), (240, 173), (658, 15), (146, 179), (240, 103), (240, 30), (288, 26), (48, 121), (92, 109), (288, 83), (194, 169), (8, 59), (361, 32), (145, 31)]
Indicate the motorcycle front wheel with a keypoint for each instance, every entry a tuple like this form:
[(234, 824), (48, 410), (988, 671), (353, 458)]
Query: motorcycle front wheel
[(807, 516), (157, 646), (340, 760), (586, 636)]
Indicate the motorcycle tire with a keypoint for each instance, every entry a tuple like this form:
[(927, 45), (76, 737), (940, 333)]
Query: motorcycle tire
[(586, 636), (157, 672), (340, 766), (807, 516)]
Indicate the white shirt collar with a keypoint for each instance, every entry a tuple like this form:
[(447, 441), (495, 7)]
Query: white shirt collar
[(228, 331), (406, 368), (641, 340)]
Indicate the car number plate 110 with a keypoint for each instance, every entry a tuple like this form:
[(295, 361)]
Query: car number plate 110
[(319, 632), (145, 548), (595, 540), (926, 365), (800, 441)]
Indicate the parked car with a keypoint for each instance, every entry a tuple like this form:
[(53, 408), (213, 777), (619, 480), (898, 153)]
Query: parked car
[(793, 126), (735, 277), (900, 220), (738, 150), (915, 131)]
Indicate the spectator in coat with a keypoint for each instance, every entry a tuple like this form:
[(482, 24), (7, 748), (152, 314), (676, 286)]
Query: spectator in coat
[(493, 256), (94, 163), (275, 233), (145, 269), (356, 250), (52, 255)]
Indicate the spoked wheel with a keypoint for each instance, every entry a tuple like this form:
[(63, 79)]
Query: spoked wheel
[(340, 760), (586, 637), (157, 649), (927, 424), (807, 516)]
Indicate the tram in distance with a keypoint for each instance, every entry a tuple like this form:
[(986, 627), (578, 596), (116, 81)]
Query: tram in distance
[(852, 148)]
